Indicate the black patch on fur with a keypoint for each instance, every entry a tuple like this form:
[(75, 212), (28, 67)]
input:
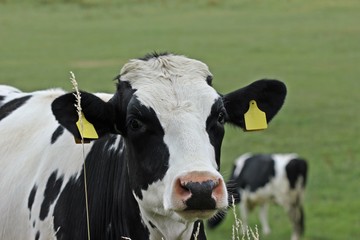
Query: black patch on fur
[(34, 224), (201, 233), (31, 199), (149, 56), (209, 80), (111, 201), (294, 169), (1, 98), (256, 172), (52, 190), (152, 225), (145, 147), (57, 133), (215, 129), (37, 236), (120, 101), (9, 107)]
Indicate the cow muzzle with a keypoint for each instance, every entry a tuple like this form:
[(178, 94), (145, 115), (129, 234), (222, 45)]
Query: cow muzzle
[(198, 195)]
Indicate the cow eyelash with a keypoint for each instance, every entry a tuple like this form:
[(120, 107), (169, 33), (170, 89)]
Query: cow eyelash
[(135, 124), (221, 117)]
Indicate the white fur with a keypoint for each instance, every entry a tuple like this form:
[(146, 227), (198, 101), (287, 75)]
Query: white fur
[(8, 90)]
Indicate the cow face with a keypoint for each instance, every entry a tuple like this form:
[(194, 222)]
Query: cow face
[(172, 121)]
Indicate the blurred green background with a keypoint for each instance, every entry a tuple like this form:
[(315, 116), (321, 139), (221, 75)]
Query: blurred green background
[(313, 46)]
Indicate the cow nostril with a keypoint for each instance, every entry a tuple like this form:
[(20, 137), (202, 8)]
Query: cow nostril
[(201, 197), (199, 191), (182, 190), (184, 187), (202, 188)]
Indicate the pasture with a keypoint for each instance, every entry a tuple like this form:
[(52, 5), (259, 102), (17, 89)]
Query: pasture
[(313, 46)]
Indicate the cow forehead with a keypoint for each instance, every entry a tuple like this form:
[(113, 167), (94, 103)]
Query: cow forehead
[(170, 84), (163, 66)]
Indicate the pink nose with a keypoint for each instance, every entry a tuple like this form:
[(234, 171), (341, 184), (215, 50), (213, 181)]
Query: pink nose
[(199, 190)]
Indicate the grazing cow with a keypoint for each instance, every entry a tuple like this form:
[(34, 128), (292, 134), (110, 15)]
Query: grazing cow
[(153, 172), (258, 179)]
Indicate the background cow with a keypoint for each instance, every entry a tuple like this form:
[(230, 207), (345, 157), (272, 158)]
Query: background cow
[(258, 179), (152, 174)]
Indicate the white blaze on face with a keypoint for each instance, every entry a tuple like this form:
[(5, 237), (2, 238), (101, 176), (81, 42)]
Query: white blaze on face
[(175, 88)]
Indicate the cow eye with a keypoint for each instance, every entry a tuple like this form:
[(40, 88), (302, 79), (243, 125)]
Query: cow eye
[(135, 124), (221, 118)]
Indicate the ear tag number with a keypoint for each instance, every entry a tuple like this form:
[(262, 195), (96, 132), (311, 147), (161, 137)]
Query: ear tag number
[(87, 130), (255, 119)]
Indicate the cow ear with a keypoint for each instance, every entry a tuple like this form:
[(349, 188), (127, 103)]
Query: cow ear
[(268, 94), (95, 110)]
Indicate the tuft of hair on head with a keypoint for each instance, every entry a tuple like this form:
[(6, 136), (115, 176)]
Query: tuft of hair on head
[(154, 54)]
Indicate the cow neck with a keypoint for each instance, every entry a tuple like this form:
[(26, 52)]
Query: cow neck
[(166, 227), (159, 226), (121, 214), (126, 214)]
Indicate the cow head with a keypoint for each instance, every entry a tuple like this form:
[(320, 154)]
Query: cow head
[(172, 121)]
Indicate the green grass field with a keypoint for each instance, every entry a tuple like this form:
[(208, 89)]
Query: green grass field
[(313, 46)]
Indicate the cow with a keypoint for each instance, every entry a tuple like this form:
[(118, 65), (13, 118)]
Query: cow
[(153, 172), (260, 179)]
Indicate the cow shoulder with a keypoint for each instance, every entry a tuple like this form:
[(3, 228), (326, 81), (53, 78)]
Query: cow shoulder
[(257, 171)]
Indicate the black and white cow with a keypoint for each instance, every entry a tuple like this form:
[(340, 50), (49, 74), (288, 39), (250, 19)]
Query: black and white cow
[(259, 179), (152, 174)]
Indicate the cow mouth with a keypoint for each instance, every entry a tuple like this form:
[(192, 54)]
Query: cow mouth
[(197, 214)]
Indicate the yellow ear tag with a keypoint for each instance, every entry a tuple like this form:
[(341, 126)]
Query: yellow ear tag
[(255, 119), (87, 130)]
